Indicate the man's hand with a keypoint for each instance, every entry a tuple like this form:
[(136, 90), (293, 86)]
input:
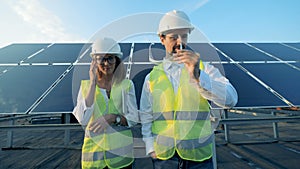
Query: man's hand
[(190, 60), (153, 155)]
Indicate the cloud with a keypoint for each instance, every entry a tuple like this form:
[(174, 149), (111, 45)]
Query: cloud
[(48, 25), (194, 5)]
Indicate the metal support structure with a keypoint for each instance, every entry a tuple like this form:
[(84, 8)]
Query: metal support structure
[(67, 131), (226, 129), (214, 152), (10, 134), (275, 127), (129, 62)]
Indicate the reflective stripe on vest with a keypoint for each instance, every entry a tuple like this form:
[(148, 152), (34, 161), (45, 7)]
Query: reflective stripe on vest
[(182, 115), (181, 121), (105, 149)]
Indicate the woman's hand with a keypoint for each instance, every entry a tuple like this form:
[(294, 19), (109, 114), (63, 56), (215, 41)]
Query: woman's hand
[(99, 125), (93, 72)]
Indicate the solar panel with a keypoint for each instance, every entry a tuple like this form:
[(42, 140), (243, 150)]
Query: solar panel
[(278, 50), (242, 52), (207, 52), (58, 53), (64, 96), (24, 82), (23, 85), (125, 48), (295, 45), (280, 77), (17, 52), (3, 69), (250, 92), (141, 52), (60, 98)]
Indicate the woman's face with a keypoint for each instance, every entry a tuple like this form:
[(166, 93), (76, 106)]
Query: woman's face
[(106, 63)]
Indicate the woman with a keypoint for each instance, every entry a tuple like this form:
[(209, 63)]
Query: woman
[(106, 106)]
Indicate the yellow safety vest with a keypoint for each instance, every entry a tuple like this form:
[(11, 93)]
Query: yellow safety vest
[(113, 147), (181, 121)]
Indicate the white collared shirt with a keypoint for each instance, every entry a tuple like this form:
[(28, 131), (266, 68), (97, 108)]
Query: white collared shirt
[(213, 86)]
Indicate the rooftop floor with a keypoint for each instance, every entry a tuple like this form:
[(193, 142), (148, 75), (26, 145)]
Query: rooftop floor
[(252, 146)]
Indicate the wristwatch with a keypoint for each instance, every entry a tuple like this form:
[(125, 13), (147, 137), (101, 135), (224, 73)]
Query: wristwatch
[(118, 120)]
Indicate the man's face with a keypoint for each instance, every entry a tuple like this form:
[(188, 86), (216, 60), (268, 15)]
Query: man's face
[(173, 39)]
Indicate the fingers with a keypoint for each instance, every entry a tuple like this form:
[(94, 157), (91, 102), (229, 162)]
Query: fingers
[(93, 66), (98, 125), (93, 70), (153, 155), (187, 57)]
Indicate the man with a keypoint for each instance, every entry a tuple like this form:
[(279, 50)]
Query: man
[(174, 106)]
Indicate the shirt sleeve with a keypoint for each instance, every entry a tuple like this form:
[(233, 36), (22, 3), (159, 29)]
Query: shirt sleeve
[(216, 88), (131, 113), (146, 115), (81, 111)]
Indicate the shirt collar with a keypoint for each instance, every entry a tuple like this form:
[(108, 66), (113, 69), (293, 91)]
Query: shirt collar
[(168, 64)]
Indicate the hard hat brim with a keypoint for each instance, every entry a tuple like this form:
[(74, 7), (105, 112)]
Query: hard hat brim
[(161, 32), (101, 53)]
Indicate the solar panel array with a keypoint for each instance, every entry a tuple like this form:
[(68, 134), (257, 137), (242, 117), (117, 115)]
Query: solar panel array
[(45, 78)]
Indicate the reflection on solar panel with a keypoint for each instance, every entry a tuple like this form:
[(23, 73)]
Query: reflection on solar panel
[(16, 53), (41, 78), (293, 45), (58, 53)]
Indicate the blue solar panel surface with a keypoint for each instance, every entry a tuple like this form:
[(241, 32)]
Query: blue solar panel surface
[(250, 92), (295, 45), (280, 77), (58, 53), (22, 86), (242, 52), (21, 83), (17, 52), (278, 50), (125, 48), (56, 100), (207, 52)]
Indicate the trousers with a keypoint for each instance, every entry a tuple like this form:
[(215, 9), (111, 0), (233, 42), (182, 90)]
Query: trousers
[(176, 162)]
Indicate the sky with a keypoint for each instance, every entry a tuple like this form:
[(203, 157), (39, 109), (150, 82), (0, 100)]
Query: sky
[(39, 21)]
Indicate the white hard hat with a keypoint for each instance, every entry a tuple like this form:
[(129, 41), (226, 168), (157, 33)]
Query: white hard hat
[(174, 20), (106, 46)]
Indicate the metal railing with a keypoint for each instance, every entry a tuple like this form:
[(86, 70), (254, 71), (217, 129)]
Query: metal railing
[(273, 118), (11, 127)]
